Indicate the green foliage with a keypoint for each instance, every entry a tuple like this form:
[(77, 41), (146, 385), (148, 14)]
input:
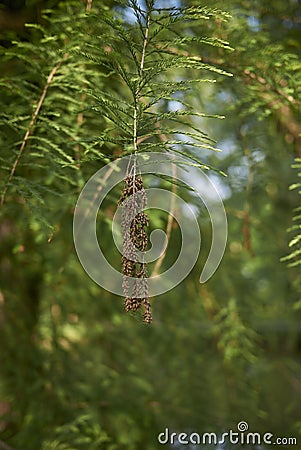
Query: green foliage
[(236, 340), (48, 138), (295, 254), (82, 433), (148, 57), (40, 139), (294, 257), (76, 372)]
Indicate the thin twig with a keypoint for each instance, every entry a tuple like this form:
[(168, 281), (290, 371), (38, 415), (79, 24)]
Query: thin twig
[(144, 45), (32, 124), (79, 121), (137, 93)]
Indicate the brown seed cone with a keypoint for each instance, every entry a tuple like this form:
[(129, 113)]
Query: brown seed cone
[(147, 315), (132, 304)]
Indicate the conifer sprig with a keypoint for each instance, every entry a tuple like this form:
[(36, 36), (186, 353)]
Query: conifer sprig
[(151, 56), (114, 95)]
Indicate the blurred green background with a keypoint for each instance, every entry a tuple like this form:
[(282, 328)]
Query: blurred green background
[(76, 372)]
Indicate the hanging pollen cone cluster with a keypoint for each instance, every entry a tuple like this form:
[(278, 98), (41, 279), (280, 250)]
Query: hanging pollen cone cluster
[(135, 240)]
